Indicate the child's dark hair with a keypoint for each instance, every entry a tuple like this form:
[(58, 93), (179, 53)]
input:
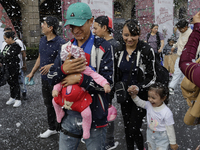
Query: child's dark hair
[(182, 23), (9, 34), (7, 29), (161, 89), (133, 27), (171, 39)]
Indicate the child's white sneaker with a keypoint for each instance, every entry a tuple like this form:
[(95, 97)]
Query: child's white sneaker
[(10, 101), (17, 103), (47, 133)]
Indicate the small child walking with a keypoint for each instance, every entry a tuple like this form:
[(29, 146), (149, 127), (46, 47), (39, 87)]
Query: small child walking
[(170, 57), (74, 97), (160, 130)]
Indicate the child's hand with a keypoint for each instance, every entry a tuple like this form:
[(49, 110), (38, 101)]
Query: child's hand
[(107, 88), (133, 91), (54, 93), (198, 147), (174, 146)]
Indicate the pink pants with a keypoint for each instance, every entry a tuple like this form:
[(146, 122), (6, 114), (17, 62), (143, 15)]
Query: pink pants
[(86, 115)]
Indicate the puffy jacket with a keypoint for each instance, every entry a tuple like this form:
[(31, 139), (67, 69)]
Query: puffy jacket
[(101, 59), (145, 63)]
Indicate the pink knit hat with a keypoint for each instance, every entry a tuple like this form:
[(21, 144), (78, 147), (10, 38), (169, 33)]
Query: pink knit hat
[(112, 113), (76, 52)]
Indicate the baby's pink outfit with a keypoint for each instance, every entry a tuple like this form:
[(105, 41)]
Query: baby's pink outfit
[(86, 113)]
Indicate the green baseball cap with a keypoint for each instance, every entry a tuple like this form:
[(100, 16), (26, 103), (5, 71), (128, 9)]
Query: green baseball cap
[(78, 14)]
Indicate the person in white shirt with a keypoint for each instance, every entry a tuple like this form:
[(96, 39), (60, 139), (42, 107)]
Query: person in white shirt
[(22, 63), (185, 32), (160, 130)]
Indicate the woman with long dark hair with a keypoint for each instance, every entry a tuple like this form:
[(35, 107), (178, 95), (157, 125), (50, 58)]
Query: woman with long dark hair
[(156, 40), (142, 75)]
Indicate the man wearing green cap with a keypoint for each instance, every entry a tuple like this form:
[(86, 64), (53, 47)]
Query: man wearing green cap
[(99, 57)]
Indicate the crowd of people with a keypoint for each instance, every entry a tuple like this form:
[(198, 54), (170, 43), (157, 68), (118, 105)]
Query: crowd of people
[(78, 78)]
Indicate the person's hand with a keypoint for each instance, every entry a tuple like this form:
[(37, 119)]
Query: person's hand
[(71, 79), (45, 69), (196, 18), (54, 93), (198, 147), (159, 51), (133, 91), (24, 68), (170, 53), (107, 88), (172, 49), (29, 76), (0, 64), (174, 146), (71, 66)]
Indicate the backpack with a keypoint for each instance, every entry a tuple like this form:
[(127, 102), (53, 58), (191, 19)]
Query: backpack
[(162, 74)]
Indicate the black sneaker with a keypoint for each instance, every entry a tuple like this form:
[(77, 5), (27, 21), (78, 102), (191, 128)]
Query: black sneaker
[(24, 96), (111, 146)]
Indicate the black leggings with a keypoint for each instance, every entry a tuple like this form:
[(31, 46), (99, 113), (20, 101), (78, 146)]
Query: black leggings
[(47, 96), (133, 117), (14, 83)]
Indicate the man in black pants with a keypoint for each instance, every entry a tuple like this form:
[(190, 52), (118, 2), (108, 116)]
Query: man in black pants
[(50, 46)]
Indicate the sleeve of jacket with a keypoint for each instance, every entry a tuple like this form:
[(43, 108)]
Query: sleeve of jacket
[(106, 69), (148, 60), (55, 74), (16, 49)]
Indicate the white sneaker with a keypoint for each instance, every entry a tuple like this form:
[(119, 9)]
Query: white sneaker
[(10, 101), (47, 133), (82, 140), (17, 103), (171, 91)]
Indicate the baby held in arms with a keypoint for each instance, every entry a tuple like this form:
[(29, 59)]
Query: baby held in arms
[(74, 97)]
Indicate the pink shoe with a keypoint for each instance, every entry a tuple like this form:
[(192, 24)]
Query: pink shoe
[(112, 113)]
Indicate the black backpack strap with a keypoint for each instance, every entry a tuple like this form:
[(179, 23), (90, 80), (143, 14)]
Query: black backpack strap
[(148, 36), (134, 61), (158, 40), (70, 134)]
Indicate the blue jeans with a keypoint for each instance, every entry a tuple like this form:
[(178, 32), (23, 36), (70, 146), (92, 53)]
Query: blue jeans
[(22, 82), (72, 123), (157, 140)]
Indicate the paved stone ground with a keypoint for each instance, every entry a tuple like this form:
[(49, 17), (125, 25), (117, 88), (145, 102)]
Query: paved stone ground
[(20, 127)]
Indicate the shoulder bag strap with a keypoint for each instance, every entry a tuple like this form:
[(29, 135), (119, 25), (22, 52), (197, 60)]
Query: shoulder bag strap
[(129, 77)]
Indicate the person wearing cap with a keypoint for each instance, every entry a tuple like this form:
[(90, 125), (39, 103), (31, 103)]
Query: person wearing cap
[(103, 28), (99, 57), (49, 48)]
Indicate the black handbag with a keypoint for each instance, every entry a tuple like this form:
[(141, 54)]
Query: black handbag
[(121, 87)]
